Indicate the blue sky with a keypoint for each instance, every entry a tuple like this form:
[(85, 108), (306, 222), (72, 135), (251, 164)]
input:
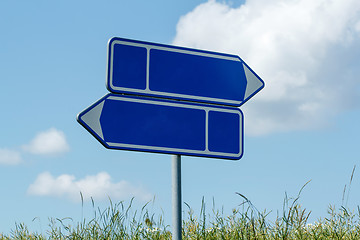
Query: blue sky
[(303, 126)]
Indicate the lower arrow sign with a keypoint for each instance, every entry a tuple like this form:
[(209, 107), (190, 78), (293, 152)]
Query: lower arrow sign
[(165, 126)]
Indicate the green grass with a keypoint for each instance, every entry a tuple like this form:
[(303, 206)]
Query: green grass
[(120, 221), (245, 222)]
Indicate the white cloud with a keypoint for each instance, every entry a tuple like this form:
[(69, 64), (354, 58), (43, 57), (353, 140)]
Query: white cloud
[(50, 142), (99, 187), (306, 51), (9, 157)]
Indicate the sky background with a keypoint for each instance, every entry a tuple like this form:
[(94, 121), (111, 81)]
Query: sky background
[(304, 125)]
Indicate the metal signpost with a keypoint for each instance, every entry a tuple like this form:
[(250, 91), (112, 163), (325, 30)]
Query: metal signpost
[(173, 100)]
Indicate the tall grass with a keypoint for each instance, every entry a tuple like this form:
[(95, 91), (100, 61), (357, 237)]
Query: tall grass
[(120, 221)]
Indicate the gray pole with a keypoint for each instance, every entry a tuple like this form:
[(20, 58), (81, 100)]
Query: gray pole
[(176, 197)]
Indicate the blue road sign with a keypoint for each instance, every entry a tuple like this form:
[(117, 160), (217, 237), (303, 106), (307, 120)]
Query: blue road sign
[(165, 126), (150, 69)]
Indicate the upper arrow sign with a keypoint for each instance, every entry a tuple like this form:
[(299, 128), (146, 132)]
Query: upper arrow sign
[(151, 69)]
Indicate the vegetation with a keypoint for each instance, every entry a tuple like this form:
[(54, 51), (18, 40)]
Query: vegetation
[(116, 223), (245, 222)]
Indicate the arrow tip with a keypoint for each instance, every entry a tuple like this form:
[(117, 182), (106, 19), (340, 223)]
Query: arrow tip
[(254, 83), (90, 119)]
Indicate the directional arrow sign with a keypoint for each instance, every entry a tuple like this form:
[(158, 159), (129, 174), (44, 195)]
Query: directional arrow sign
[(165, 126), (165, 71)]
